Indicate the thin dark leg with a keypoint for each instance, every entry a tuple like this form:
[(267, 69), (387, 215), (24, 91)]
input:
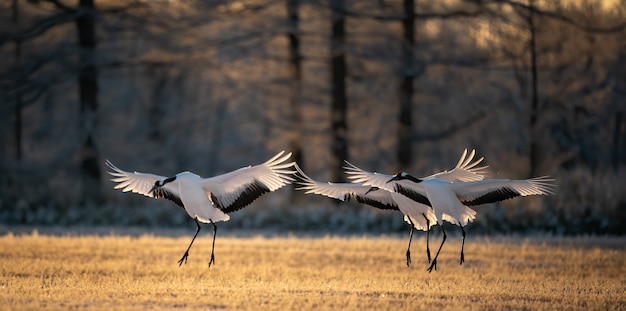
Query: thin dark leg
[(434, 263), (408, 250), (462, 246), (184, 258), (427, 237), (213, 246)]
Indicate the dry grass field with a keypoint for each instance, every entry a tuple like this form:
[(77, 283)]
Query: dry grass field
[(113, 272)]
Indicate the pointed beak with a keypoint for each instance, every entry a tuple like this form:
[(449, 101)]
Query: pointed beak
[(394, 178), (371, 189), (155, 187)]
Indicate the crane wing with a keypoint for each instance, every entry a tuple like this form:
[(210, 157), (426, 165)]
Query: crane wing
[(495, 190), (345, 191), (465, 169), (360, 176), (237, 189), (420, 215), (142, 183), (407, 188)]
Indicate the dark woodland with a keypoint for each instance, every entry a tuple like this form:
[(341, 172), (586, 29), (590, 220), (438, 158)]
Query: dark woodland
[(537, 87)]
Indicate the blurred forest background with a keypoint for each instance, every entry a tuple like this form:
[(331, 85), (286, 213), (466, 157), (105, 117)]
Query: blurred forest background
[(538, 87)]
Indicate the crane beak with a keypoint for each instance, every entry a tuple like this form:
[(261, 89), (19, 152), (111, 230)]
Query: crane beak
[(371, 189), (394, 178), (155, 187)]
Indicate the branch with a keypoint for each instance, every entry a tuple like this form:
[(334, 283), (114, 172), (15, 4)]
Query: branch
[(243, 8), (67, 15), (132, 5), (31, 91), (62, 6), (40, 27), (400, 17), (21, 74), (451, 130), (563, 18)]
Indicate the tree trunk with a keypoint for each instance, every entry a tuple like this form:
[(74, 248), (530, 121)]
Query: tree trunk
[(619, 87), (18, 109), (17, 126), (88, 94), (404, 151), (14, 10), (295, 88), (534, 102), (338, 84), (295, 80), (618, 140)]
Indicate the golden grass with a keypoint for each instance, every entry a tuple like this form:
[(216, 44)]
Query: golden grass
[(287, 273)]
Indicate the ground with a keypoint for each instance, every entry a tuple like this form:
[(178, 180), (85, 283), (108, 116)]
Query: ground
[(121, 272)]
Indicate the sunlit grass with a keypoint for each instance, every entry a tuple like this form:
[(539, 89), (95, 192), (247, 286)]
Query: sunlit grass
[(287, 273)]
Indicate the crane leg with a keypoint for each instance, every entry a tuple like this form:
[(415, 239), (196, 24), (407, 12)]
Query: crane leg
[(186, 254), (427, 237), (434, 262), (462, 246), (212, 261), (408, 250)]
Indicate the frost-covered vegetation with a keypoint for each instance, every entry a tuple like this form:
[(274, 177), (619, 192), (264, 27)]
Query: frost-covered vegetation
[(208, 86), (328, 273)]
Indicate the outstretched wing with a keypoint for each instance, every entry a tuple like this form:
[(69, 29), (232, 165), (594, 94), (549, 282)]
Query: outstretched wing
[(407, 188), (237, 189), (421, 216), (134, 182), (345, 191), (495, 190), (142, 183), (465, 169), (373, 179), (339, 191)]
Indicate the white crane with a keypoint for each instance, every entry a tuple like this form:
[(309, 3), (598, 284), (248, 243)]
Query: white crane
[(465, 170), (450, 200), (418, 215), (209, 200)]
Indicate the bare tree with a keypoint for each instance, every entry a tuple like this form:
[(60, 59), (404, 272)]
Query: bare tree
[(33, 77), (295, 79), (18, 94), (404, 152), (88, 91), (529, 69), (339, 101), (534, 100), (411, 68), (619, 91)]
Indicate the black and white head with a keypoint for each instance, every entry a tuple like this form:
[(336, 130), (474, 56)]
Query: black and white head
[(404, 176), (160, 183)]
